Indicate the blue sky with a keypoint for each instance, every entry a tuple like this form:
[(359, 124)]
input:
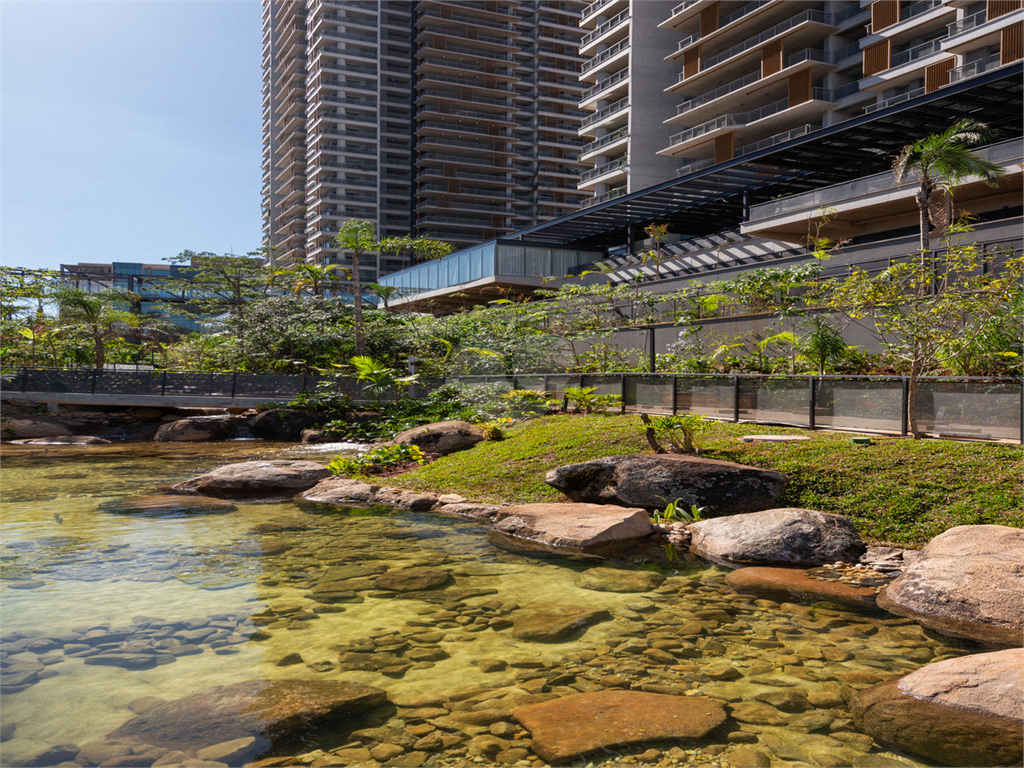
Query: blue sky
[(130, 130)]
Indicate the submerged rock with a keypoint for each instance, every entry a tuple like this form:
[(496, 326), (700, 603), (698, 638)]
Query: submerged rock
[(573, 725), (263, 711), (787, 536), (195, 430), (967, 711), (549, 625), (967, 582), (251, 479), (574, 526), (653, 480), (616, 580), (345, 492), (168, 506), (63, 440), (412, 579), (442, 437), (783, 583)]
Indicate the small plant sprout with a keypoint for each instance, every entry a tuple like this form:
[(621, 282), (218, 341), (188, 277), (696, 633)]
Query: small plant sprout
[(680, 431)]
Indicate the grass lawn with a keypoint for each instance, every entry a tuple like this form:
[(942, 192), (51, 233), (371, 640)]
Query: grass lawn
[(898, 491)]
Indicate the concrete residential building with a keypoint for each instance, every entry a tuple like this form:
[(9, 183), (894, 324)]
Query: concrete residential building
[(451, 120), (745, 76)]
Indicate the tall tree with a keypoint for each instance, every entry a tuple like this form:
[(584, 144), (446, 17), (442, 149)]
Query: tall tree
[(359, 237), (99, 315), (213, 284), (943, 160)]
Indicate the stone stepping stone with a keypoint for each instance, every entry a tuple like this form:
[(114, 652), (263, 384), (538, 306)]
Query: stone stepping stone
[(549, 625), (785, 583), (562, 729), (774, 438)]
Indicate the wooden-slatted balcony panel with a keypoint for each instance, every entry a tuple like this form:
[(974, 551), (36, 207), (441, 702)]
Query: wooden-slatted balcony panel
[(937, 75), (877, 58), (1011, 43), (884, 13)]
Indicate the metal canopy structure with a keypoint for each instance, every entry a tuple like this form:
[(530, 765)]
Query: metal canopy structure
[(716, 198)]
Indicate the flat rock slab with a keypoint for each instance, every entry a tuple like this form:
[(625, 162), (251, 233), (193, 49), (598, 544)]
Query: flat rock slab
[(787, 536), (168, 506), (797, 582), (549, 625), (573, 725), (653, 480), (253, 479), (63, 440), (967, 582), (196, 430), (344, 492), (574, 526), (616, 580), (264, 711), (774, 439), (967, 711), (413, 579)]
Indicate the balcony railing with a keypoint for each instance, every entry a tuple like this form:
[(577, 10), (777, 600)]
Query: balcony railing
[(845, 53), (968, 23), (603, 113), (464, 81), (899, 99), (697, 101), (606, 54), (683, 6), (689, 168), (608, 82), (916, 52), (594, 7), (616, 135), (768, 34), (727, 120), (849, 12), (499, 71), (603, 198), (918, 8), (975, 68), (601, 170), (467, 20), (457, 97), (606, 27), (778, 138)]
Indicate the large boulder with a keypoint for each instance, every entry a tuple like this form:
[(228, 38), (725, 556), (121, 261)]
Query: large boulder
[(31, 425), (653, 480), (264, 711), (565, 728), (442, 437), (968, 582), (195, 430), (787, 536), (967, 711), (251, 479), (168, 506), (584, 527), (284, 424)]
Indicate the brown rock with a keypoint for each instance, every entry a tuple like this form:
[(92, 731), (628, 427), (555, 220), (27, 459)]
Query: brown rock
[(787, 536), (250, 479), (412, 579), (968, 582), (648, 480), (442, 437), (341, 491), (749, 758), (195, 430), (967, 711), (548, 625), (230, 752), (31, 426), (63, 440), (756, 713), (284, 424), (265, 711), (782, 584), (468, 509), (572, 725), (619, 580), (574, 526)]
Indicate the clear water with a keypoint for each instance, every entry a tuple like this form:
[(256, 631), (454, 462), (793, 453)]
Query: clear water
[(66, 566)]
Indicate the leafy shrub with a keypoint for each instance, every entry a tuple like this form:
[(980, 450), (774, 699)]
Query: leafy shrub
[(493, 430), (378, 460), (585, 401), (324, 399), (680, 431)]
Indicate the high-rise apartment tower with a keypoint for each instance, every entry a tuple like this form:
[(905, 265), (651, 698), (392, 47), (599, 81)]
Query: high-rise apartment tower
[(451, 120)]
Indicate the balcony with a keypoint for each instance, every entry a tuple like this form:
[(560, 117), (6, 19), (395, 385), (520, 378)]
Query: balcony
[(608, 26), (605, 55), (601, 114), (915, 52), (749, 8), (432, 14), (616, 135), (594, 8), (608, 82), (611, 194), (911, 11), (975, 68), (735, 85), (601, 170)]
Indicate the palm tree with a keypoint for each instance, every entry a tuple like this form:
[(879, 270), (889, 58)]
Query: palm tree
[(98, 314), (384, 292), (315, 277), (946, 156), (358, 236)]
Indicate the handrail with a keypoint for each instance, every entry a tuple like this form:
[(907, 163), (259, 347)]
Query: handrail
[(916, 52), (768, 34), (605, 111), (613, 22), (975, 68), (605, 55), (603, 198), (967, 23), (618, 133), (600, 170), (622, 74)]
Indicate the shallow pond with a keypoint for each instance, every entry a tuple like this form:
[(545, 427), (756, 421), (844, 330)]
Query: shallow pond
[(101, 611)]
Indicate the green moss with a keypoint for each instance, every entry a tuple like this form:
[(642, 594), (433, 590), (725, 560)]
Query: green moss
[(897, 491)]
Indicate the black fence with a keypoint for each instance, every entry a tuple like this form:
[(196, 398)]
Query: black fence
[(980, 408)]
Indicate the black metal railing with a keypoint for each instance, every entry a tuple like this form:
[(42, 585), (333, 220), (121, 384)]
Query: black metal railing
[(964, 407)]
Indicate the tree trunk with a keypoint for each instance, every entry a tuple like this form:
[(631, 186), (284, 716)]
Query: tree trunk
[(652, 440), (357, 304), (915, 370), (923, 201), (100, 352)]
